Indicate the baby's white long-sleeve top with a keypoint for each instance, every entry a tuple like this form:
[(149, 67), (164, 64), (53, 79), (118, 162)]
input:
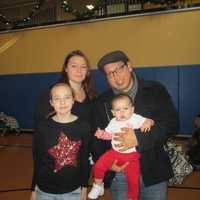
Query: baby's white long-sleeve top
[(114, 126)]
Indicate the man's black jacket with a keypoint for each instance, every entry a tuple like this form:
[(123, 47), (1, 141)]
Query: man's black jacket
[(152, 101)]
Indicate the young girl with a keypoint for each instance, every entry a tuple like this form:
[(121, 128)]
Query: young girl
[(123, 110), (60, 151)]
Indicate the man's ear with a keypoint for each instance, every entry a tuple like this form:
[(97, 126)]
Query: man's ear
[(130, 68)]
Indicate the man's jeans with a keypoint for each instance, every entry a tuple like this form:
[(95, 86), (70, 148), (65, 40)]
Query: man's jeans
[(40, 195), (154, 192)]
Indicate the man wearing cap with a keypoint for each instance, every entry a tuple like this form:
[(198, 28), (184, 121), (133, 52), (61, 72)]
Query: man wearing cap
[(151, 100)]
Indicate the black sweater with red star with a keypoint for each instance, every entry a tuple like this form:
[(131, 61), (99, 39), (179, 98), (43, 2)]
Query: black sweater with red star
[(60, 156)]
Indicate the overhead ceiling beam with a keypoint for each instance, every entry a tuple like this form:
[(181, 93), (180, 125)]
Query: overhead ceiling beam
[(7, 5)]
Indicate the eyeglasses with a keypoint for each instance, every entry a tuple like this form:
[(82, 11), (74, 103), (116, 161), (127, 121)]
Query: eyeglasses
[(117, 71)]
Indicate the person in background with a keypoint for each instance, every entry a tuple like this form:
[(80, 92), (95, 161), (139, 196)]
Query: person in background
[(193, 151), (197, 121), (151, 100), (124, 116), (75, 72), (60, 151)]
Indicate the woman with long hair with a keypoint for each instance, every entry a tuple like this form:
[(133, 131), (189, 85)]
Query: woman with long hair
[(75, 72)]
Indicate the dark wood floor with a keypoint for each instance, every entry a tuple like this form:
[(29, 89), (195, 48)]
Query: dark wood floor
[(16, 172)]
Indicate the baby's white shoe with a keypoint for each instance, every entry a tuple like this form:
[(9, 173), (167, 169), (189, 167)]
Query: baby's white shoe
[(96, 191)]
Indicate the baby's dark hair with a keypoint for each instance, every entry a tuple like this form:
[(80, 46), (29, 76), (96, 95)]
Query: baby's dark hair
[(121, 96)]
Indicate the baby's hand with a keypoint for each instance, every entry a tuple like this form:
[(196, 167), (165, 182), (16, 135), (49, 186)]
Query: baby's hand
[(101, 134), (146, 126)]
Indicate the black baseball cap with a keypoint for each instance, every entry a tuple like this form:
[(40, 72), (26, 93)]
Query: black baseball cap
[(112, 57)]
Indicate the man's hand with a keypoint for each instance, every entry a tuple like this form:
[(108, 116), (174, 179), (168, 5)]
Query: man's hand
[(126, 139), (117, 168), (146, 126)]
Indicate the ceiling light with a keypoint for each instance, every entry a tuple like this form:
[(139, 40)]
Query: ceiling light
[(90, 7)]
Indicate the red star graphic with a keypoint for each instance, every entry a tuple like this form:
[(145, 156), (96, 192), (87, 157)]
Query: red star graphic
[(65, 152)]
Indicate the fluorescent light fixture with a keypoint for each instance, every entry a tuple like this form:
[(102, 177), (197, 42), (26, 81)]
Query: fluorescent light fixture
[(90, 7)]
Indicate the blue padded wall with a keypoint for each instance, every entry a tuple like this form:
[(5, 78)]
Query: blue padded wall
[(19, 92), (100, 81), (168, 76), (189, 95)]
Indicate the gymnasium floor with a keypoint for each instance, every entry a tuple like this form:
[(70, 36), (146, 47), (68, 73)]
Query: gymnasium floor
[(16, 172), (16, 167)]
